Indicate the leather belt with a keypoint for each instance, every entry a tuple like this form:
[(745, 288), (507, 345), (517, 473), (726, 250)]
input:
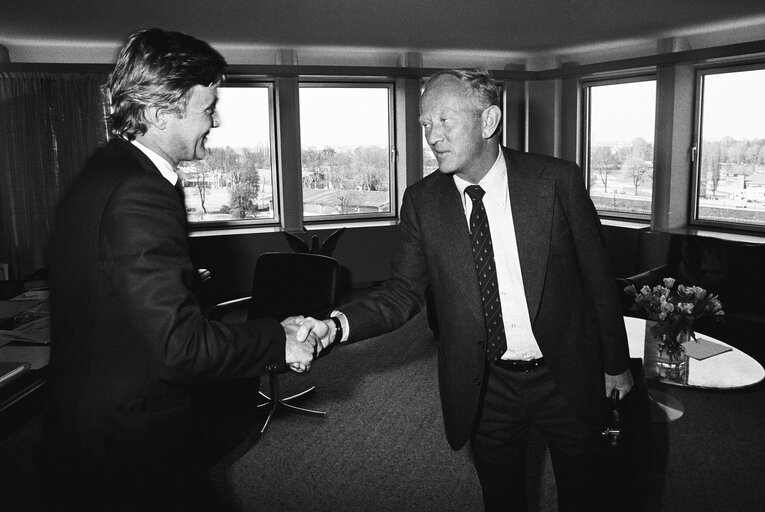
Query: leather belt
[(517, 365)]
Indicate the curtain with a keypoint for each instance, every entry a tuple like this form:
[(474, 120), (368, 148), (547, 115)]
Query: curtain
[(49, 125)]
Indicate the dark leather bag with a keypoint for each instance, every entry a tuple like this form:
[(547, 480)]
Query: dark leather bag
[(624, 449)]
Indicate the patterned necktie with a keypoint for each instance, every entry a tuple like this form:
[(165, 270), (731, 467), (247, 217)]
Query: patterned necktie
[(483, 252)]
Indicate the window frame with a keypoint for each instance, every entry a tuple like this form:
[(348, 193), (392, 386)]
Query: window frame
[(702, 71), (234, 225), (586, 85), (317, 221)]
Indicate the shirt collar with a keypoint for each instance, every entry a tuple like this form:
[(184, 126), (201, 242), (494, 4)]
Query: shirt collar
[(494, 183), (164, 167)]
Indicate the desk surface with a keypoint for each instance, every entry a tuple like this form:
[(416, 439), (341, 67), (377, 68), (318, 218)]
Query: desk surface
[(729, 370), (11, 349)]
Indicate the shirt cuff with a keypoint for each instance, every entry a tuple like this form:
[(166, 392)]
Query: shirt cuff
[(344, 322)]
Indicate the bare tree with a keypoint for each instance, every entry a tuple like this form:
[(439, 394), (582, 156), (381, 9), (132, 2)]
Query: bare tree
[(604, 162), (202, 171), (638, 170), (348, 201)]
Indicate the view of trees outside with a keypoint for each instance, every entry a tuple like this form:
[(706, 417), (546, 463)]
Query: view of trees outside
[(620, 152), (345, 139), (235, 180), (732, 151)]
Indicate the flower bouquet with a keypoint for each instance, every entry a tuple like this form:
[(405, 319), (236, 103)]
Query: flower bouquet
[(674, 311)]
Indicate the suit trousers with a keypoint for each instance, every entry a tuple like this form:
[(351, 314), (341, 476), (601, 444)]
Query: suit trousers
[(514, 402)]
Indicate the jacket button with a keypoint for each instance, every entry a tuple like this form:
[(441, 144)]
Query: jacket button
[(477, 381), (271, 367)]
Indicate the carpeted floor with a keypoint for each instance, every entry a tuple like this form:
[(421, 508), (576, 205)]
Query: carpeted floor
[(382, 446)]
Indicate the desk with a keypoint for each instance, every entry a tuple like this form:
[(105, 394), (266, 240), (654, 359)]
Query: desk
[(730, 370), (20, 388), (36, 353)]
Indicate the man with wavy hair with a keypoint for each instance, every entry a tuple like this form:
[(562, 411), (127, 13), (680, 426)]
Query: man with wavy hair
[(128, 336)]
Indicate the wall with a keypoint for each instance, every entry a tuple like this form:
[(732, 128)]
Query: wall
[(364, 255)]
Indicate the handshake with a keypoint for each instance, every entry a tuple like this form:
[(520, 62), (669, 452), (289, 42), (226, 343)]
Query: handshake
[(306, 338)]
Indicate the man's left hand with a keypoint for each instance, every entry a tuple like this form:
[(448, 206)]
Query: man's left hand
[(622, 382)]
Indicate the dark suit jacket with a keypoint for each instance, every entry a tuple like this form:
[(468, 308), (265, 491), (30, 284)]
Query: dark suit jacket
[(570, 291), (128, 335)]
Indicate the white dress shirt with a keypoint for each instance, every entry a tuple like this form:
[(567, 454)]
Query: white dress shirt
[(521, 343), (165, 167)]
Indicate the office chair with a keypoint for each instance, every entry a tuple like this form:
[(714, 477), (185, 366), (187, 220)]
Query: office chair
[(287, 284)]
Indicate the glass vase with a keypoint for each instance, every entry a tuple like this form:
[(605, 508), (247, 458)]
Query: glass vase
[(672, 368), (671, 360)]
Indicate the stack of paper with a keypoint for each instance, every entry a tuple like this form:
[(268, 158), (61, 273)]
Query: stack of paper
[(25, 321), (35, 356), (32, 295), (36, 331), (9, 309)]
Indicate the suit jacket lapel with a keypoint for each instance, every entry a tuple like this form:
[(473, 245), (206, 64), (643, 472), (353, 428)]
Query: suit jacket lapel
[(454, 239), (144, 160), (149, 167), (532, 201)]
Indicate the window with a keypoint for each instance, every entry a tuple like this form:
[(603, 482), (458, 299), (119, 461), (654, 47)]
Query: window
[(619, 145), (346, 139), (235, 182), (730, 167)]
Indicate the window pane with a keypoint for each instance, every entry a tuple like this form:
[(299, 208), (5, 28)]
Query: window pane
[(235, 180), (345, 142), (732, 164), (620, 147)]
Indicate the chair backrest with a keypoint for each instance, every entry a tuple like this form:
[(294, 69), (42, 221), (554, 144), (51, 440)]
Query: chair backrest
[(286, 284)]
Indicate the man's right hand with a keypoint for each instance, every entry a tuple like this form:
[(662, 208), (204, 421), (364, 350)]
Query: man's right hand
[(324, 330), (299, 353)]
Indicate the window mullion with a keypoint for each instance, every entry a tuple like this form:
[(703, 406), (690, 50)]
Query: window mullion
[(288, 142)]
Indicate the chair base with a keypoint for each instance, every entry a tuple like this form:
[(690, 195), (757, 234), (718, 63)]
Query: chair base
[(274, 403)]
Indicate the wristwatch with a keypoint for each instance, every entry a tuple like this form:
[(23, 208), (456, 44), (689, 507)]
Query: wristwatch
[(338, 329)]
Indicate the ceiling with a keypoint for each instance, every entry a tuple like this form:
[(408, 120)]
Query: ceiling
[(512, 28)]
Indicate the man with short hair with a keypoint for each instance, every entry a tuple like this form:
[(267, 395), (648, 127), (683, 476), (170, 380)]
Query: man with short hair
[(128, 336), (530, 326)]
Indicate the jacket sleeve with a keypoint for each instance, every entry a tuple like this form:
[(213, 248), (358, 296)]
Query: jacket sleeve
[(143, 238), (401, 296), (597, 276)]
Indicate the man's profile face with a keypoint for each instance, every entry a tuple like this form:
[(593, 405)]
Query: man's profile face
[(453, 126), (188, 133)]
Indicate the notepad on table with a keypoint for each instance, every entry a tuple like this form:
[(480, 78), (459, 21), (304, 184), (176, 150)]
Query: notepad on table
[(702, 348)]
